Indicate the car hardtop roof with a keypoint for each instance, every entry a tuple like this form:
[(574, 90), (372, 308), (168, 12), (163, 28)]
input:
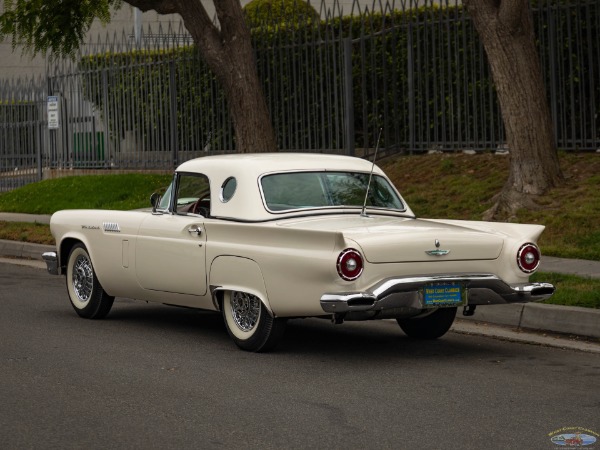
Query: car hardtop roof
[(260, 163)]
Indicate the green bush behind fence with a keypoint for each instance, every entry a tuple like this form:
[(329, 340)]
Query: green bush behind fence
[(421, 74)]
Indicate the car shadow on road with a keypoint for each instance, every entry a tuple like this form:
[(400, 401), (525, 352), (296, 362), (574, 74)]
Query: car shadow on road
[(372, 339)]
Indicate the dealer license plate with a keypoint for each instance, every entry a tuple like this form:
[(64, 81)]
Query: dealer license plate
[(444, 295)]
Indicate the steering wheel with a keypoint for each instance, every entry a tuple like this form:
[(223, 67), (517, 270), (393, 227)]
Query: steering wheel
[(202, 207)]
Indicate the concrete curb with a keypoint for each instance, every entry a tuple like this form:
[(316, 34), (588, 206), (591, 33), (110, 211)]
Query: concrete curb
[(18, 217), (24, 250), (541, 317)]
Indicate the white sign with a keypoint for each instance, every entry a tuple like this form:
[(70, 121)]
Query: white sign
[(53, 112)]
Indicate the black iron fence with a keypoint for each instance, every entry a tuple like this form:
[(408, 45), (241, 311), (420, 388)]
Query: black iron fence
[(417, 71)]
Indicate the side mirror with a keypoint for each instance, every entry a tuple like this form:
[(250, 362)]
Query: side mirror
[(155, 201)]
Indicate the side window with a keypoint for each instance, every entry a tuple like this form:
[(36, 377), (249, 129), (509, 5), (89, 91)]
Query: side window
[(293, 191), (193, 194), (165, 199)]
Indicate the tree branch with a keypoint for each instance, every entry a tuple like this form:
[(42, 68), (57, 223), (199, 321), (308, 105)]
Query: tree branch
[(231, 18), (160, 6), (205, 34)]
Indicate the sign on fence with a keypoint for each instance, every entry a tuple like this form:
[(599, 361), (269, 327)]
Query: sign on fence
[(53, 113)]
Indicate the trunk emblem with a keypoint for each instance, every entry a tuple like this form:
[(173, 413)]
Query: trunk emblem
[(437, 251)]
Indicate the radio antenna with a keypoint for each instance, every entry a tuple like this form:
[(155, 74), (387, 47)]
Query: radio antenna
[(363, 213)]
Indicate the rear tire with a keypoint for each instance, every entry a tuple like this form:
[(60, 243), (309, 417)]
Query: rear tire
[(249, 323), (86, 294), (432, 326)]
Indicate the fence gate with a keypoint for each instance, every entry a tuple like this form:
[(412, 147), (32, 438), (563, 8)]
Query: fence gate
[(23, 132)]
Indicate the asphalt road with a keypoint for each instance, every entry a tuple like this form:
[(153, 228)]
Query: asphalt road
[(152, 376)]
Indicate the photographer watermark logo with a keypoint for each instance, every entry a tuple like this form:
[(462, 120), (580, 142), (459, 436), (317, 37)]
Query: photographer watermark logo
[(574, 437)]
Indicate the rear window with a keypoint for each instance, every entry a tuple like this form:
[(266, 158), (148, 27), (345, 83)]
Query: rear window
[(301, 190)]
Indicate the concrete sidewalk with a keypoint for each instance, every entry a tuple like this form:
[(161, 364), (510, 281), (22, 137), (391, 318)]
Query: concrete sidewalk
[(528, 316)]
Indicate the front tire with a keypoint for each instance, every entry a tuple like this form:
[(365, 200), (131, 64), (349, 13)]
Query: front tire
[(432, 326), (86, 294), (249, 323)]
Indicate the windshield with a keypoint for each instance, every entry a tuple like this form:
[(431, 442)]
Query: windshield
[(301, 190)]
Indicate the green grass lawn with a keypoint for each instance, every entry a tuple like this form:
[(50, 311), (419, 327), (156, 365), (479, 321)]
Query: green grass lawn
[(128, 191), (571, 290), (453, 186), (457, 186)]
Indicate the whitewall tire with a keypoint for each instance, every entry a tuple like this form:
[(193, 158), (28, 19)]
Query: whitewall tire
[(87, 296), (249, 323)]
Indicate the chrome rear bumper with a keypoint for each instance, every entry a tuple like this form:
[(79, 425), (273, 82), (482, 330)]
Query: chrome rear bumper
[(406, 294)]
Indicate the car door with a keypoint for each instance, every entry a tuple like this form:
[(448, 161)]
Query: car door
[(171, 244)]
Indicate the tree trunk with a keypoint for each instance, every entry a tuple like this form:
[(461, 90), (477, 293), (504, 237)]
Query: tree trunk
[(505, 28), (228, 51)]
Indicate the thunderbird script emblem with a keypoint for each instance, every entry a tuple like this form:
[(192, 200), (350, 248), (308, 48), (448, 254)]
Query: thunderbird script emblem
[(437, 251)]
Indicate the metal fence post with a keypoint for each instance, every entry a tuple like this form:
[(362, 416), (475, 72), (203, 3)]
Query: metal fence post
[(108, 153), (173, 115), (411, 90), (38, 153), (348, 96)]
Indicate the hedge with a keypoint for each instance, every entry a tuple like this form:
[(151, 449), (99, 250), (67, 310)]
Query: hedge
[(451, 96)]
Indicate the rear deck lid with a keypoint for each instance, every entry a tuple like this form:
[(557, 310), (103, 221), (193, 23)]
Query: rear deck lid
[(391, 240)]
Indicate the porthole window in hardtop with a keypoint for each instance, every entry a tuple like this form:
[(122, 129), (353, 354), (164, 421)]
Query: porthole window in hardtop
[(228, 189), (300, 190), (193, 194)]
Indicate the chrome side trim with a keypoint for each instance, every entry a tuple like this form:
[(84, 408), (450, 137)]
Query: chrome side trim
[(51, 262), (406, 292), (111, 227)]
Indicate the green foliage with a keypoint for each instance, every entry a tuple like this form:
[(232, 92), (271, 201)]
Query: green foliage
[(463, 187), (123, 192), (571, 290), (575, 61), (273, 13), (443, 186), (55, 26), (426, 60), (143, 78), (16, 113), (36, 233), (300, 69)]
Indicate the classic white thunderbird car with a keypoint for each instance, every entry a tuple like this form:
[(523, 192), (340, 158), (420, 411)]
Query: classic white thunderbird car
[(269, 237)]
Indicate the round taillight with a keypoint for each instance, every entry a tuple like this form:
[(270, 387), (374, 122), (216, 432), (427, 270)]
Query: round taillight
[(350, 264), (528, 258)]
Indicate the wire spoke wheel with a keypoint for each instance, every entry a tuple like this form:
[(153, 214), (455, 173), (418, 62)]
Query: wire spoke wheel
[(83, 278), (249, 323), (86, 294), (245, 309)]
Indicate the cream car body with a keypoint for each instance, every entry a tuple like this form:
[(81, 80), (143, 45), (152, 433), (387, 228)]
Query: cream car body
[(232, 242)]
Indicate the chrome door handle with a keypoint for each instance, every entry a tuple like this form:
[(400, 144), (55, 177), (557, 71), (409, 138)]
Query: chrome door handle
[(195, 229)]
